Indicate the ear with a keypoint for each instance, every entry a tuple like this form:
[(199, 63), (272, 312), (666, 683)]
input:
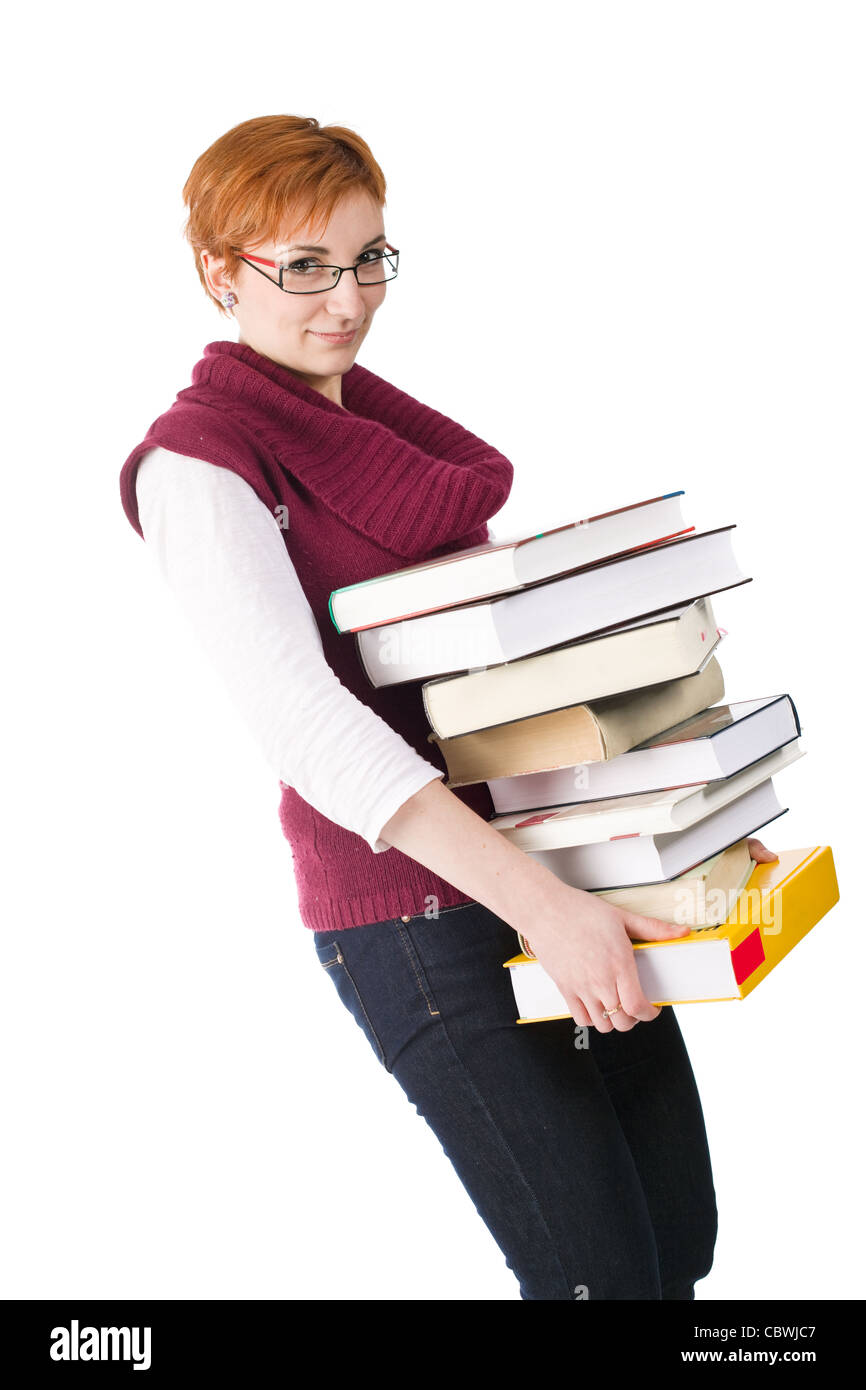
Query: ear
[(215, 275)]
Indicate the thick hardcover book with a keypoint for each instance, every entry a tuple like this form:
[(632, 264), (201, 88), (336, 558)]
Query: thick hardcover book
[(579, 733), (648, 652), (781, 902), (499, 566), (716, 742), (551, 613)]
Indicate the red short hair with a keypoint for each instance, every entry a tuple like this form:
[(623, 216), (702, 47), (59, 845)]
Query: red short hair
[(268, 174)]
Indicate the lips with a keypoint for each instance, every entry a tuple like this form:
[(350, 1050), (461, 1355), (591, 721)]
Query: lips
[(335, 337)]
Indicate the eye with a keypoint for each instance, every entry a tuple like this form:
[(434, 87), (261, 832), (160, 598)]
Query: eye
[(308, 263), (372, 255)]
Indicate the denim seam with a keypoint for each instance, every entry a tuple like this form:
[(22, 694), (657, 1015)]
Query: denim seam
[(440, 911), (369, 1020), (409, 948), (340, 959)]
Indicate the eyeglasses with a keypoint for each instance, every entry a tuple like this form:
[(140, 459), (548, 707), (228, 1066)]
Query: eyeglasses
[(315, 278)]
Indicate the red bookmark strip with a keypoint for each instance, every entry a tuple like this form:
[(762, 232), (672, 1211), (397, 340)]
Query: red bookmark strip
[(746, 957)]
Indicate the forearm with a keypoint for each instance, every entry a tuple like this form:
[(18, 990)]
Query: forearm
[(582, 941), (438, 830)]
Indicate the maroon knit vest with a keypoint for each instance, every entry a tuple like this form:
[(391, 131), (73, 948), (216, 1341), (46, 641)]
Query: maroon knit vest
[(358, 491)]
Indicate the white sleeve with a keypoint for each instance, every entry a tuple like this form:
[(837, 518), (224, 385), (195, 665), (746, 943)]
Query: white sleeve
[(221, 552)]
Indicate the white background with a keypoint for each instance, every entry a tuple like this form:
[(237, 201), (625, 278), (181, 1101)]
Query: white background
[(188, 1110)]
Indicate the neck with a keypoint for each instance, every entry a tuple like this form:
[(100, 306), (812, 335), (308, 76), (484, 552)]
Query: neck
[(327, 386)]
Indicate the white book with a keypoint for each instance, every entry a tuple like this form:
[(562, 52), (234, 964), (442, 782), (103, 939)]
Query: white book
[(717, 742), (551, 613), (684, 971), (648, 813), (642, 859), (498, 566)]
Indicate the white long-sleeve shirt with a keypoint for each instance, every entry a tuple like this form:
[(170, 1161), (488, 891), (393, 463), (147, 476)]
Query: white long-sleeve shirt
[(222, 553)]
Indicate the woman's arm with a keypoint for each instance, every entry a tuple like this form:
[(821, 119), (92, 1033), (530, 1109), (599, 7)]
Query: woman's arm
[(223, 555)]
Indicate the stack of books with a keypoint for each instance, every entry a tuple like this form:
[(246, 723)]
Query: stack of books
[(576, 672)]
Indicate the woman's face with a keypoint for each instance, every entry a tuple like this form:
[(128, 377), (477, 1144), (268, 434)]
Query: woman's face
[(297, 330)]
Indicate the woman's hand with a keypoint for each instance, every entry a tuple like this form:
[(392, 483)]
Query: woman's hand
[(759, 852), (584, 944), (583, 941)]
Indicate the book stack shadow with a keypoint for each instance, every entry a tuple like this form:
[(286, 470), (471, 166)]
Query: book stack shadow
[(576, 672)]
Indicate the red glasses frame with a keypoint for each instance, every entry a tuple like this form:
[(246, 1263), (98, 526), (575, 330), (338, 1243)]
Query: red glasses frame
[(275, 265)]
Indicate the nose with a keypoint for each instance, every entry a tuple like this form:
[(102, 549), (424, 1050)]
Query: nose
[(345, 300)]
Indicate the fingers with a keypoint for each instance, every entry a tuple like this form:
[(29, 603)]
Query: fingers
[(626, 1006), (605, 992), (759, 852), (618, 1017), (579, 1013), (631, 995), (589, 1013), (623, 1001), (652, 928)]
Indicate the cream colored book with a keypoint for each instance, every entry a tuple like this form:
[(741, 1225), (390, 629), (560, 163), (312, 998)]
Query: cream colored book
[(581, 733), (649, 652)]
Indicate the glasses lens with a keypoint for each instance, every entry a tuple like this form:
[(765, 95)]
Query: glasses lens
[(308, 277), (383, 266)]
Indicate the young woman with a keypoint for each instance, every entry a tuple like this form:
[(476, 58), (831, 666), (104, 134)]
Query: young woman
[(287, 470)]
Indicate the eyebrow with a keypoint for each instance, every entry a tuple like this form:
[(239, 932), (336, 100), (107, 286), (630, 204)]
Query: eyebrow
[(324, 250)]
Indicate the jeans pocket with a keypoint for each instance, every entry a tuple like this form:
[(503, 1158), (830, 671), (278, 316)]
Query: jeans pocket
[(333, 960), (405, 934)]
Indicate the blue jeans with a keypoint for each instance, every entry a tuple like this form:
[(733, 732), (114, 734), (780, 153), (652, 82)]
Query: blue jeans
[(589, 1165)]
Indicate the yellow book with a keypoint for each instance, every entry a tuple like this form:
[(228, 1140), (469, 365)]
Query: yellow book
[(780, 903)]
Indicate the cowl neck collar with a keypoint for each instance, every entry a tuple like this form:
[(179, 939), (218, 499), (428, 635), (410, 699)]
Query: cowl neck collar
[(391, 467), (223, 363)]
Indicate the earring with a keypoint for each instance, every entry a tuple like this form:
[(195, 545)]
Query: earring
[(228, 300)]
